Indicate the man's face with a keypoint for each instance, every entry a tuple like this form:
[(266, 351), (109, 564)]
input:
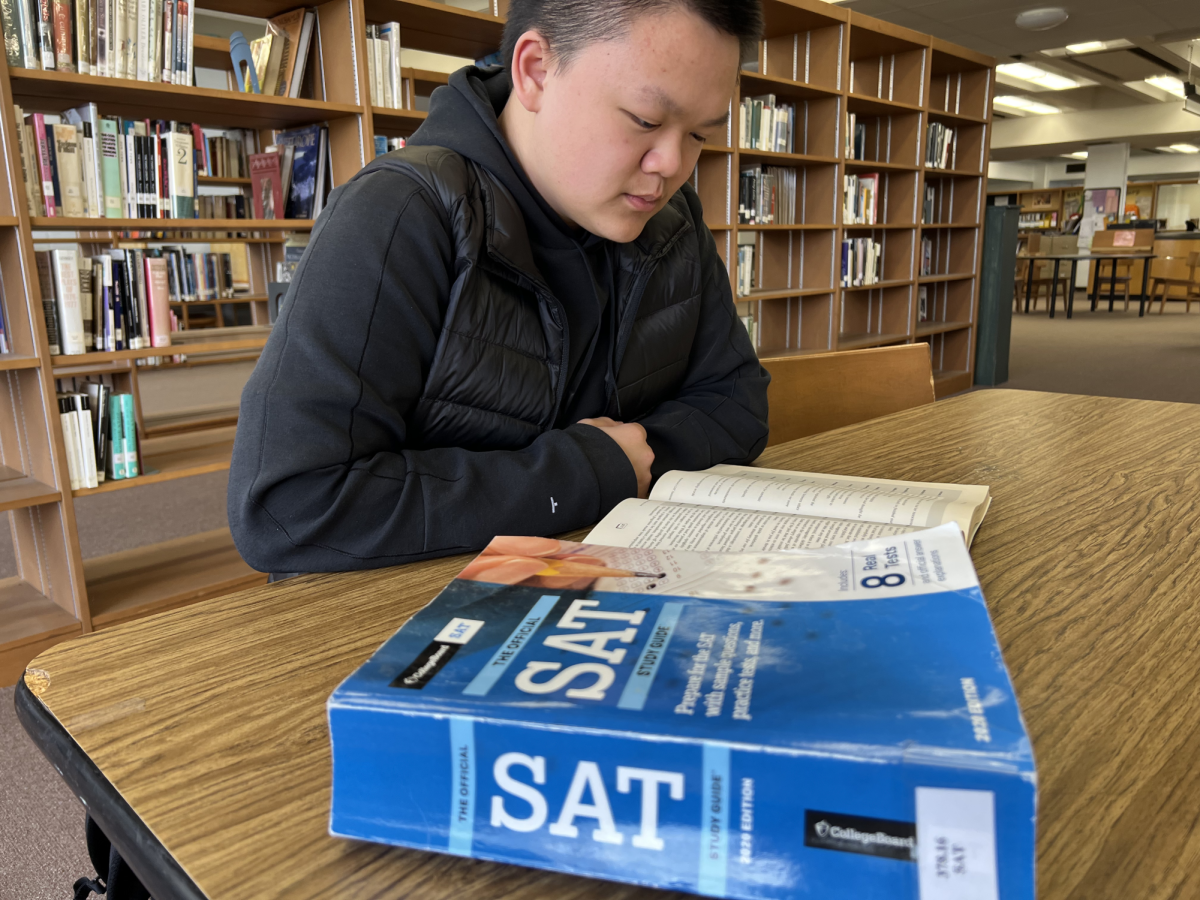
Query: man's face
[(620, 128)]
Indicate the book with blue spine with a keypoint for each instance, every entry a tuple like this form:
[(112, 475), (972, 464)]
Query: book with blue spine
[(835, 722)]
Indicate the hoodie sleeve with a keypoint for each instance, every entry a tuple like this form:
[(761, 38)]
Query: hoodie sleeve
[(720, 413), (323, 476)]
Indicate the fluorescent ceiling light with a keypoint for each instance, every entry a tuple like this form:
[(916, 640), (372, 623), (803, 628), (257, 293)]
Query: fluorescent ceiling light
[(1051, 81), (1024, 104), (1185, 148), (1089, 47), (1078, 154), (1168, 83)]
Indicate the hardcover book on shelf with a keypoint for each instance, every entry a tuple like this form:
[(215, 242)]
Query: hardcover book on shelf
[(308, 145), (266, 186), (830, 722)]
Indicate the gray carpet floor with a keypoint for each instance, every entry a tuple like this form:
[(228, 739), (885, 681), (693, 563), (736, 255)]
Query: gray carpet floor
[(41, 822)]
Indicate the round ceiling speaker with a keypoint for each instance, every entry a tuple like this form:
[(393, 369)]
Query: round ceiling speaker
[(1041, 19)]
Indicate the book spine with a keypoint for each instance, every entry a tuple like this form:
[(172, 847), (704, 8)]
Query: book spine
[(87, 444), (33, 189), (68, 165), (129, 421), (700, 816), (70, 433), (188, 50), (64, 60), (159, 301), (110, 168), (116, 425), (91, 187), (87, 303), (46, 171), (142, 54), (70, 315), (45, 26), (101, 408), (167, 53), (10, 18), (83, 38)]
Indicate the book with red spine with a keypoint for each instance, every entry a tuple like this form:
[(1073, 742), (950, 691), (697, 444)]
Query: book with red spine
[(266, 185), (158, 301), (45, 166)]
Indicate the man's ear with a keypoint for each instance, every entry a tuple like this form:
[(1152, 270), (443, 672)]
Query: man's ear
[(530, 65)]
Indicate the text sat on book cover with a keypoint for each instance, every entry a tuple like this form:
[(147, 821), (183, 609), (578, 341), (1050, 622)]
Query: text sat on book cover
[(832, 723)]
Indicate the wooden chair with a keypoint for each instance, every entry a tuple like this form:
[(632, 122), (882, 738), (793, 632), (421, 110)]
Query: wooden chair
[(1043, 279), (1114, 281), (811, 394), (1190, 286)]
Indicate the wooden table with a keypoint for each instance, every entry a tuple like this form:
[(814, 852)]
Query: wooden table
[(1075, 259), (210, 720)]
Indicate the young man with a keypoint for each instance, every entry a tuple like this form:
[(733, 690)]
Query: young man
[(520, 319)]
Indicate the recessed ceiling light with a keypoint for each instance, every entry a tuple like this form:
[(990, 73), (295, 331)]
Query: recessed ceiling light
[(1168, 83), (1086, 47), (1024, 104), (1051, 81), (1041, 19), (1185, 148), (1078, 154)]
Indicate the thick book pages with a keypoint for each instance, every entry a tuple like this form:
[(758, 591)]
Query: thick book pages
[(822, 723), (734, 509)]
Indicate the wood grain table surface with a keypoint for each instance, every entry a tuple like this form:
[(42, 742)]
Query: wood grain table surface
[(210, 720)]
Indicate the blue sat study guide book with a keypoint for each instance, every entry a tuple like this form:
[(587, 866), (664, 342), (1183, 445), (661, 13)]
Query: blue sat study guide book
[(831, 723)]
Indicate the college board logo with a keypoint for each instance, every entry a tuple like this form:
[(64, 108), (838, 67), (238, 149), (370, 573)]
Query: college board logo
[(860, 834), (439, 651)]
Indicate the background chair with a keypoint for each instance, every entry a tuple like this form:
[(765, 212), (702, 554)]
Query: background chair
[(811, 394), (1190, 286), (1043, 280)]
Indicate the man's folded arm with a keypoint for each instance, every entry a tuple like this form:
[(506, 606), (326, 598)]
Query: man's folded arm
[(320, 478), (720, 412)]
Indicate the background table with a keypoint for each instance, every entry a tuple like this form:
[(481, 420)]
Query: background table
[(1075, 259), (210, 720)]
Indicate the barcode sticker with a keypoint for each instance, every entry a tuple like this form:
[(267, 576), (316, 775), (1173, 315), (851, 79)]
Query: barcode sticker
[(956, 844)]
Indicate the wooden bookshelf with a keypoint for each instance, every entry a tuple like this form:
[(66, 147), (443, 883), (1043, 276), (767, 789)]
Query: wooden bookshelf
[(823, 58), (829, 61)]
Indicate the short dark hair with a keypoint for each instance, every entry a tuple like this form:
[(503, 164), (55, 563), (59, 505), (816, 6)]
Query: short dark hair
[(570, 25)]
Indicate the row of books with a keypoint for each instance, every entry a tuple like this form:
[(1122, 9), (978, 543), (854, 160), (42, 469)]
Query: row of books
[(384, 144), (926, 255), (927, 205), (100, 433), (227, 153), (860, 262), (767, 196), (861, 199), (288, 179), (856, 138), (281, 55), (82, 164), (746, 280), (941, 142), (145, 40), (121, 299), (764, 124), (383, 65)]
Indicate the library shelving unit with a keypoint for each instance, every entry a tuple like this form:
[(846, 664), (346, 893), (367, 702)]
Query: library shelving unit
[(56, 593), (829, 62), (824, 59)]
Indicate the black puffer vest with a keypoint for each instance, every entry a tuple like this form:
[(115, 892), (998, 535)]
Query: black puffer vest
[(498, 377)]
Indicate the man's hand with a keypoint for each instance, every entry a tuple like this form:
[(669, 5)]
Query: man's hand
[(630, 437)]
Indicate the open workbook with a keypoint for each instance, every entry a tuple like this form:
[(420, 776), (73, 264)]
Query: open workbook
[(730, 509)]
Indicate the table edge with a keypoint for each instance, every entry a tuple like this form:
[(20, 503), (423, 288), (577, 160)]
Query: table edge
[(157, 869)]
